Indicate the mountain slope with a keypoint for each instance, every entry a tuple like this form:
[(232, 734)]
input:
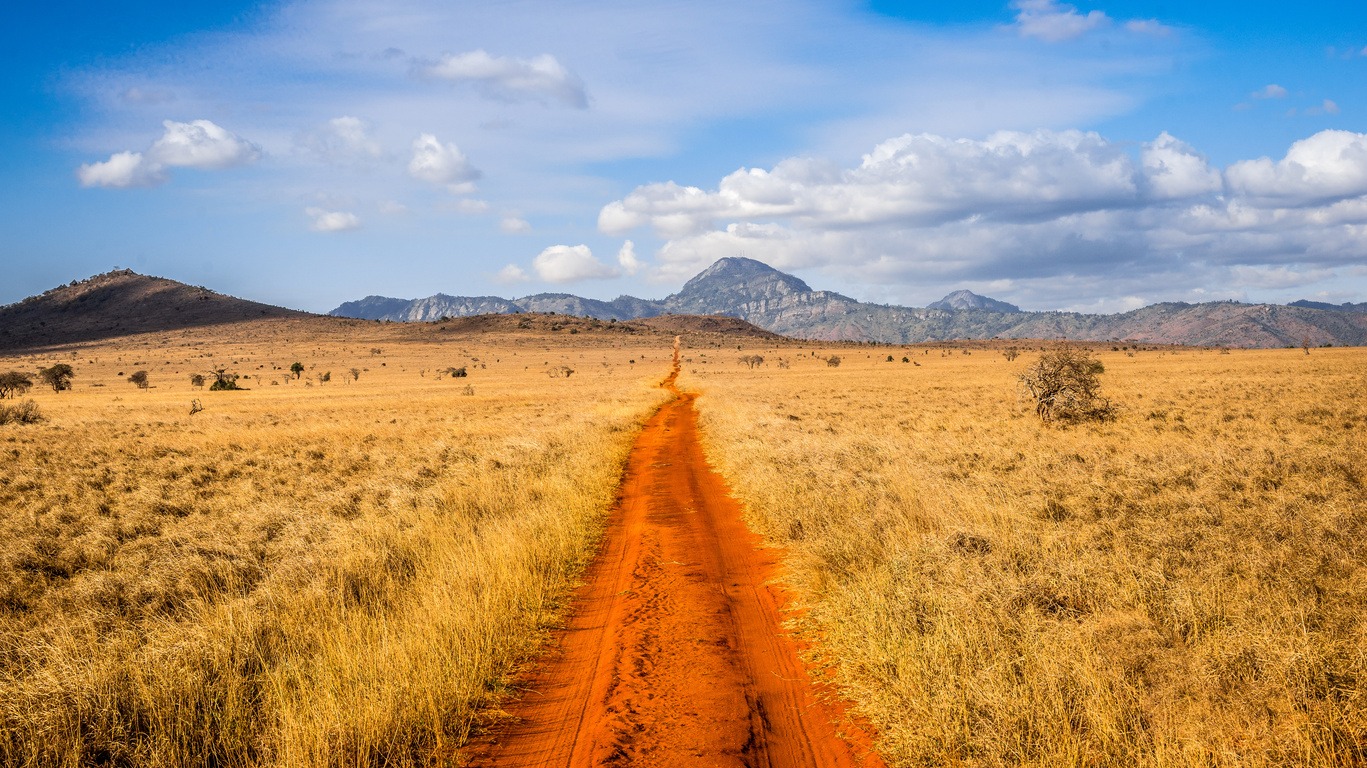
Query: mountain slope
[(968, 300), (784, 304), (121, 303)]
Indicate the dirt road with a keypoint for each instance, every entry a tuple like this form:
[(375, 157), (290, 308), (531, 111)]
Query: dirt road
[(674, 654)]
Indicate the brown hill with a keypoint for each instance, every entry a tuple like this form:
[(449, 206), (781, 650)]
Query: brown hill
[(122, 303)]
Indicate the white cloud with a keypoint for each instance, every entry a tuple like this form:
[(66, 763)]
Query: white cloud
[(122, 169), (440, 163), (541, 78), (1054, 22), (1330, 165), (1330, 107), (343, 139), (918, 180), (1148, 27), (392, 208), (514, 225), (198, 144), (511, 274), (1051, 212), (1269, 91), (626, 258), (570, 263), (1175, 170), (332, 221)]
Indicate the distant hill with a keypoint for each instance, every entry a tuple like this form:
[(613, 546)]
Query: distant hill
[(968, 300), (784, 304), (1344, 307), (118, 304)]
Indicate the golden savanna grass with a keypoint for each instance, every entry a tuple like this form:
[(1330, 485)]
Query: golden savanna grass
[(1183, 586), (306, 573)]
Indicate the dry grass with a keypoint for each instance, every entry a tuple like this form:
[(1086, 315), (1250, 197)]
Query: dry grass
[(302, 574), (1184, 586)]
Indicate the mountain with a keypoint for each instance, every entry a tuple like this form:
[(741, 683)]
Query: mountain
[(970, 301), (1344, 307), (120, 303), (784, 304)]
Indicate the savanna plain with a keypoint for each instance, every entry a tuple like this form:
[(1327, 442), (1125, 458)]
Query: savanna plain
[(353, 571)]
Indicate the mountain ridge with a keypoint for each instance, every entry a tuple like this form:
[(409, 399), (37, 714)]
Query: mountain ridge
[(784, 304)]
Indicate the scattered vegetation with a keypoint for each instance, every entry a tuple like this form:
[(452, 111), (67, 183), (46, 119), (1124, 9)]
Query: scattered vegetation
[(1183, 588), (14, 384), (22, 412), (58, 377), (288, 579), (1066, 386), (224, 381)]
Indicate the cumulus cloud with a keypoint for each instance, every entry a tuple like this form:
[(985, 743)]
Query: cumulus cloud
[(1175, 170), (541, 78), (626, 258), (1054, 22), (1269, 91), (332, 221), (511, 274), (919, 180), (343, 139), (440, 163), (1033, 208), (570, 263), (1330, 165), (514, 225), (198, 144)]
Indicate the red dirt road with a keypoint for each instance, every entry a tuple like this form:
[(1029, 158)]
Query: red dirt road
[(674, 654)]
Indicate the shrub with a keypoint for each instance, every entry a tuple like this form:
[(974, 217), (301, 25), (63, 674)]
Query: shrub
[(23, 412), (58, 376), (224, 381), (355, 374), (1065, 385), (752, 360), (14, 384), (833, 361), (297, 369), (197, 380), (139, 379), (1010, 353)]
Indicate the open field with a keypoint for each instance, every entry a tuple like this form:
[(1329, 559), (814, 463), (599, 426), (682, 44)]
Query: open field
[(1182, 586), (349, 572), (305, 573)]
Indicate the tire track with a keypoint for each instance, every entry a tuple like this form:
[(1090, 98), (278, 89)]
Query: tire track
[(674, 653)]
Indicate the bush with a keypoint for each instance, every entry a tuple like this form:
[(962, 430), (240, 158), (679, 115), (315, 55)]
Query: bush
[(297, 369), (23, 412), (197, 380), (139, 379), (833, 361), (1065, 385), (14, 384), (224, 381)]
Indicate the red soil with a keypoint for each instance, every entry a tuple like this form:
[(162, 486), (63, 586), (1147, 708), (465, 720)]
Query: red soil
[(674, 654)]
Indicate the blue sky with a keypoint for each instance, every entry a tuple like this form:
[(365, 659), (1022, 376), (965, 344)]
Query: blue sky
[(1090, 156)]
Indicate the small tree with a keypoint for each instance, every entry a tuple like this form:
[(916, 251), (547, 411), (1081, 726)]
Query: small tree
[(197, 380), (58, 376), (833, 361), (753, 360), (14, 384), (1065, 385), (355, 374), (1011, 353), (224, 381), (297, 369), (324, 377), (139, 379), (1305, 344)]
